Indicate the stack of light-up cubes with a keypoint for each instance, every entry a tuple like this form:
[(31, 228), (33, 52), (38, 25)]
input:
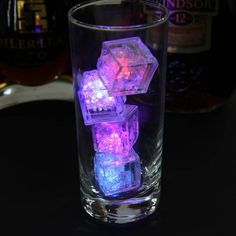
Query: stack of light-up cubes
[(125, 67)]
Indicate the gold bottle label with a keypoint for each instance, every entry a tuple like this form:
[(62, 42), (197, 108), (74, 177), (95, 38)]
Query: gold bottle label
[(190, 25), (31, 16)]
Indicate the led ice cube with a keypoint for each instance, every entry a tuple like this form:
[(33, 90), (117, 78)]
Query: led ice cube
[(117, 137), (96, 104), (126, 66), (116, 174)]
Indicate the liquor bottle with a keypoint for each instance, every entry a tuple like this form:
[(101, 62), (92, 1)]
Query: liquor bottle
[(34, 51), (200, 44)]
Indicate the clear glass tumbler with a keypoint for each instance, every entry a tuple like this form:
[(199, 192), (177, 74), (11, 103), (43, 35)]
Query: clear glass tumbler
[(118, 50)]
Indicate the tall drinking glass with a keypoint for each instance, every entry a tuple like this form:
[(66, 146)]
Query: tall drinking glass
[(118, 50)]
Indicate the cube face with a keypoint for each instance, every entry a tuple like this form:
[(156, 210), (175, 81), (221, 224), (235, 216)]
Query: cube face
[(117, 137), (126, 66), (96, 104), (117, 174)]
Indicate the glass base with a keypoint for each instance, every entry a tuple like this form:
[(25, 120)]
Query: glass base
[(122, 211)]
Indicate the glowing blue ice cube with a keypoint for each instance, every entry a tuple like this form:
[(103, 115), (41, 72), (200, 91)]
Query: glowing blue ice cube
[(117, 174)]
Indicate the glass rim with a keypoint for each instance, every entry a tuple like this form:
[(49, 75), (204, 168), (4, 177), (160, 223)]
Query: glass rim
[(116, 28)]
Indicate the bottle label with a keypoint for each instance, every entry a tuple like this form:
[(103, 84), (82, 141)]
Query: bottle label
[(190, 24), (31, 16), (29, 50)]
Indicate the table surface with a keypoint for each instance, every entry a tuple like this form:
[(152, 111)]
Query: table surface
[(40, 184)]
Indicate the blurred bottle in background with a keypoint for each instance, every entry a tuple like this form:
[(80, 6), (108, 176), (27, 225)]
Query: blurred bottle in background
[(200, 44), (34, 51), (35, 59)]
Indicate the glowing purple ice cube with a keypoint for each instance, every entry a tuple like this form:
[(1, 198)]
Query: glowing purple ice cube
[(116, 174), (96, 104), (117, 137), (126, 66)]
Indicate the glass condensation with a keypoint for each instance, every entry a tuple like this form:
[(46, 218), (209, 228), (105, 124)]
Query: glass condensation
[(119, 65)]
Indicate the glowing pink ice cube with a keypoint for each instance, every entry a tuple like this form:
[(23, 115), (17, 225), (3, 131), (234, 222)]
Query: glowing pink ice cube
[(126, 66), (117, 174), (117, 137), (96, 104)]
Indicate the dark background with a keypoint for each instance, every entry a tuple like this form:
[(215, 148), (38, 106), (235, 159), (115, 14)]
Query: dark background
[(39, 192), (39, 180)]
